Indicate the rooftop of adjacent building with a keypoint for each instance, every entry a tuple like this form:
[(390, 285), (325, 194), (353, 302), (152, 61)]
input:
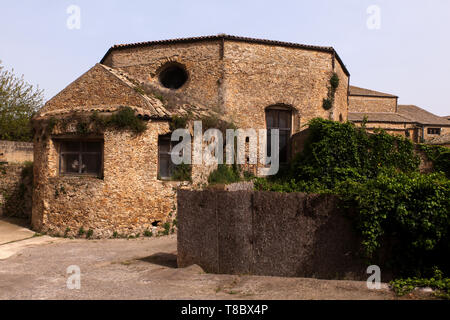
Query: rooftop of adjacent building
[(362, 92), (405, 113)]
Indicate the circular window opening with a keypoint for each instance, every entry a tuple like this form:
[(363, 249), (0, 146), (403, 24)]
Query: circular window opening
[(173, 77)]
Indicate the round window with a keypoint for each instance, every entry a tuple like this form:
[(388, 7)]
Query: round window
[(173, 76)]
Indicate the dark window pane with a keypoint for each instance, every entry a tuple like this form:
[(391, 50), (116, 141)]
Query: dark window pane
[(91, 163), (282, 120), (81, 157), (92, 146), (164, 145), (270, 119), (164, 167), (269, 143), (70, 146), (70, 163), (285, 119)]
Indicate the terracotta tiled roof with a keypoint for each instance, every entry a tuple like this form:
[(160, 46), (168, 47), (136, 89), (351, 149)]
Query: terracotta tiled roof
[(422, 116), (357, 91), (174, 104), (228, 37), (155, 106), (388, 117)]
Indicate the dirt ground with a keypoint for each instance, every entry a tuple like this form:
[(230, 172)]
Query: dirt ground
[(146, 269)]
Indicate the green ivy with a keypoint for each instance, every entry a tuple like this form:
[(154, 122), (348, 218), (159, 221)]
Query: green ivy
[(334, 84), (440, 156), (394, 206), (182, 172), (225, 174), (436, 282), (123, 119)]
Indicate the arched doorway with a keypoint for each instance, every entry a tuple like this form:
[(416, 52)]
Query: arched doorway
[(279, 117)]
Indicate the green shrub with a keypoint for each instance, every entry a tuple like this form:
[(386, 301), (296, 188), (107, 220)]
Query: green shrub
[(126, 119), (148, 233), (377, 177), (182, 172), (224, 174), (413, 208), (90, 233), (81, 231), (166, 227), (178, 122), (334, 84), (436, 282), (327, 104), (440, 156)]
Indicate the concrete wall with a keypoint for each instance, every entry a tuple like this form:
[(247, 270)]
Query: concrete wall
[(16, 183), (267, 233), (16, 151)]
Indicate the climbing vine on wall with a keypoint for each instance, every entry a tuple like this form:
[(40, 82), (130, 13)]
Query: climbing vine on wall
[(334, 84), (440, 156), (378, 180)]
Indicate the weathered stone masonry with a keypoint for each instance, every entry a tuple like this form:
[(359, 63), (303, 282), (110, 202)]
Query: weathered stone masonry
[(235, 78)]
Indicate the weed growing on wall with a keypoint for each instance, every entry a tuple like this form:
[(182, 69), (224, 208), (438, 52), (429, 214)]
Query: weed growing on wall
[(334, 84), (225, 174), (182, 172), (123, 119)]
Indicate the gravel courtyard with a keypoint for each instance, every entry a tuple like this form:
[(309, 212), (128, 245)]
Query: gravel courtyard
[(146, 269)]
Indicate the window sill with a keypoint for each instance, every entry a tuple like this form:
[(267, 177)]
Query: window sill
[(68, 175)]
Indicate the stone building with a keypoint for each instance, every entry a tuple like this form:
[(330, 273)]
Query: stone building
[(381, 110), (110, 180)]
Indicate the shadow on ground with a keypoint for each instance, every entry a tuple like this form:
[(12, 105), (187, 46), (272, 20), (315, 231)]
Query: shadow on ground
[(164, 259)]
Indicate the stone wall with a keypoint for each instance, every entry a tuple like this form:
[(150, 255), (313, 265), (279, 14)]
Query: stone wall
[(127, 200), (201, 60), (267, 233), (242, 79), (16, 184), (372, 104), (258, 76), (427, 137), (393, 128), (16, 151)]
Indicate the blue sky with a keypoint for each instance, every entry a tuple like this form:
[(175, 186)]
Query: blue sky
[(408, 56)]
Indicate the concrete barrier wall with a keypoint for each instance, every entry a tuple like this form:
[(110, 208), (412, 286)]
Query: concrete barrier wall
[(267, 233), (16, 151)]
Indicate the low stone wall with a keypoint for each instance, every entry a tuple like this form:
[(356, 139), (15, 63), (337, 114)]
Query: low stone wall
[(16, 188), (16, 151), (267, 233)]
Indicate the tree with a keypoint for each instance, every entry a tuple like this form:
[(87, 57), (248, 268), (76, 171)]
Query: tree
[(19, 101)]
